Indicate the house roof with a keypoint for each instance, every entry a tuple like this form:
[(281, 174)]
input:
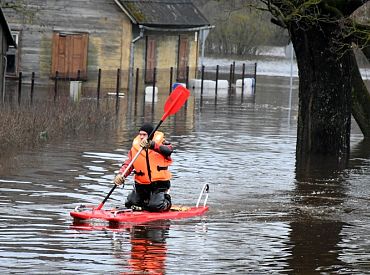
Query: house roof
[(163, 13), (7, 32)]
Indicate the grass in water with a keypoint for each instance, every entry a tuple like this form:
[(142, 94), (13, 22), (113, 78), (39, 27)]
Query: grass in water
[(29, 126)]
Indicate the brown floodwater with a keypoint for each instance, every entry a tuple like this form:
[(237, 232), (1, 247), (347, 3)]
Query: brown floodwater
[(264, 216)]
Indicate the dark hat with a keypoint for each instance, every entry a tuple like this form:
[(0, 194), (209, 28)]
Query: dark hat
[(147, 127)]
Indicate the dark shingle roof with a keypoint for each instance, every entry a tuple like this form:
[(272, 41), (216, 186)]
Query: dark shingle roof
[(164, 13), (6, 29)]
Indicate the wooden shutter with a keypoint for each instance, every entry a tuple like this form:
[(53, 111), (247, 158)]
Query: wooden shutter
[(69, 55), (58, 55), (150, 59), (183, 58), (77, 55)]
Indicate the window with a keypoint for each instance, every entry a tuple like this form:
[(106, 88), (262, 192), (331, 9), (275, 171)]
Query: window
[(12, 57), (69, 55)]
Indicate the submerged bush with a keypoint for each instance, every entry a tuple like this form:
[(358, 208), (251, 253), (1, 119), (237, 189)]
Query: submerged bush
[(28, 126)]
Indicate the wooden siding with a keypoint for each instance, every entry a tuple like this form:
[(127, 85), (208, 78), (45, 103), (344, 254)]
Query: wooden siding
[(103, 26), (3, 48)]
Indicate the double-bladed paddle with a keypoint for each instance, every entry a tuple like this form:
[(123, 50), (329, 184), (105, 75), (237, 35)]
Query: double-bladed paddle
[(173, 104)]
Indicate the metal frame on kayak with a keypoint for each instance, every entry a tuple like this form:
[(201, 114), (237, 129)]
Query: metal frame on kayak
[(83, 213)]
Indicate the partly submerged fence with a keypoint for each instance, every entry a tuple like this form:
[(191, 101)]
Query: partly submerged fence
[(239, 78)]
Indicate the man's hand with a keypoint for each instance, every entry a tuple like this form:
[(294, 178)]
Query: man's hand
[(119, 179), (147, 144)]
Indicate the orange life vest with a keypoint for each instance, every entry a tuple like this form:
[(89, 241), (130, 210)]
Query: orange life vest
[(158, 163)]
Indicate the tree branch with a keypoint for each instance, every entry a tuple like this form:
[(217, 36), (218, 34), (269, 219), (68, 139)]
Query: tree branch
[(358, 34), (351, 6)]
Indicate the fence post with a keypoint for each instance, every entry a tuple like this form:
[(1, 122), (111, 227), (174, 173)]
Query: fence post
[(216, 88), (56, 86), (98, 87), (19, 88), (230, 76), (187, 77), (233, 71), (255, 77), (154, 81), (171, 77), (243, 74), (118, 83), (32, 87), (201, 81)]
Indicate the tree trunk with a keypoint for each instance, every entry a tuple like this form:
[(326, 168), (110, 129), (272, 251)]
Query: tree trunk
[(361, 98), (324, 114)]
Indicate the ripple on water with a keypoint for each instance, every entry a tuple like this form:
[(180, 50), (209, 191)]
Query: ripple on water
[(261, 219)]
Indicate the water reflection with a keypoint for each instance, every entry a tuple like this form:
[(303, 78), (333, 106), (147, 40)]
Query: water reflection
[(321, 183), (138, 249), (360, 154), (315, 234), (315, 243), (320, 196), (148, 249)]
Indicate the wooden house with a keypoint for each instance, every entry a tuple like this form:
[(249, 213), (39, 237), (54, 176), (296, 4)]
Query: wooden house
[(74, 39), (6, 42)]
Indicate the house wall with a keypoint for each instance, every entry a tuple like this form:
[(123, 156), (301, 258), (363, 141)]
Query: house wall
[(109, 41), (109, 32), (3, 48), (167, 54)]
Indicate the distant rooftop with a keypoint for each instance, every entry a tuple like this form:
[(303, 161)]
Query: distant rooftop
[(164, 13)]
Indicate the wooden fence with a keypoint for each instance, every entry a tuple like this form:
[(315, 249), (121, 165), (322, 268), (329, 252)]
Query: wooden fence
[(116, 83)]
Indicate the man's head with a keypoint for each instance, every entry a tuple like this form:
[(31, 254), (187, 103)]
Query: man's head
[(145, 130)]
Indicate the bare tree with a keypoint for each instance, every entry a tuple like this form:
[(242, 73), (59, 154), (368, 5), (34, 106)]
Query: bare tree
[(240, 29), (330, 87)]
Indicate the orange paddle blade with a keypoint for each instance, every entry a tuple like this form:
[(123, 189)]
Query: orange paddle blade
[(175, 101)]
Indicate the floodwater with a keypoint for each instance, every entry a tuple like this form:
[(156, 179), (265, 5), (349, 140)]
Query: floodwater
[(263, 217)]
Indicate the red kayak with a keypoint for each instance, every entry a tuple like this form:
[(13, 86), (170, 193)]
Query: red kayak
[(82, 212), (130, 216)]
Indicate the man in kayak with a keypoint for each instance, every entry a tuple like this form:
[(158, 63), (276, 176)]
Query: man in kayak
[(152, 177)]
